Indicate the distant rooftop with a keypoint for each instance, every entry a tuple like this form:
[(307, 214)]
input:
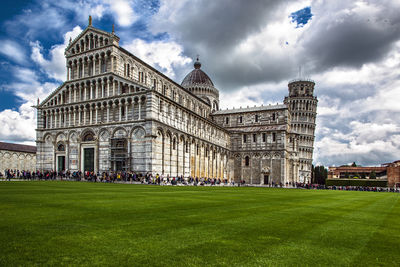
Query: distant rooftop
[(249, 109), (17, 147)]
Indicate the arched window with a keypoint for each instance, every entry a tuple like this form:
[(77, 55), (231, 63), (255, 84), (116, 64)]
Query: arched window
[(103, 65), (60, 147), (247, 161), (80, 71), (88, 137)]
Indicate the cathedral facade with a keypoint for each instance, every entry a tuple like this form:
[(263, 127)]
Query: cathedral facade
[(116, 113)]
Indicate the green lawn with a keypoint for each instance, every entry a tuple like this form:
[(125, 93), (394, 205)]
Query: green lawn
[(76, 223)]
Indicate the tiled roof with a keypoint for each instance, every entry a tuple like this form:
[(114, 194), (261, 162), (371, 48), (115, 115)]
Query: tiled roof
[(17, 147), (197, 77), (259, 128), (250, 109)]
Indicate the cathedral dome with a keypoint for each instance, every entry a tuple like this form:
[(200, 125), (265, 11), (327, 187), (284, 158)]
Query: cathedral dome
[(197, 77)]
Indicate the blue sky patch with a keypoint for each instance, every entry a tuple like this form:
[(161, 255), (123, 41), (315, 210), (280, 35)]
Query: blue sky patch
[(301, 17)]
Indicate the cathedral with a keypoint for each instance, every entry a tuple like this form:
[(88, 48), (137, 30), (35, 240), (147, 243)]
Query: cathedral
[(116, 113)]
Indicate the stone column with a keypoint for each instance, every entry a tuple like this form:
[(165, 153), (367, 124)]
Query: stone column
[(108, 112), (96, 108), (55, 119), (133, 109), (139, 109), (97, 89), (84, 116), (84, 92), (79, 93), (101, 86), (119, 111), (47, 120), (90, 114), (66, 155), (65, 118), (74, 72), (126, 111), (91, 90)]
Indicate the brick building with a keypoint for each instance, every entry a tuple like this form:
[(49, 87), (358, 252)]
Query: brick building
[(387, 171)]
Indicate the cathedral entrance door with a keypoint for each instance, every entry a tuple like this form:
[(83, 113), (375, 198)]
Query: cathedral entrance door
[(119, 166), (88, 159), (266, 179), (60, 163)]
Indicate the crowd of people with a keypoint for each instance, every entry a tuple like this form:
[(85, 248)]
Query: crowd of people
[(149, 178), (111, 177), (349, 188)]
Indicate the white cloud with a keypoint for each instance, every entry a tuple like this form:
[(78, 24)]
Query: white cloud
[(165, 55), (260, 94), (54, 67), (123, 12), (19, 125), (13, 51)]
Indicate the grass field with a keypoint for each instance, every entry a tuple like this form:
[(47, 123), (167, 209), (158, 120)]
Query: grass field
[(75, 223)]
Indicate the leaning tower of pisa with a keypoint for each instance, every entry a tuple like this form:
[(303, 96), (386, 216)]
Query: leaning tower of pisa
[(302, 105)]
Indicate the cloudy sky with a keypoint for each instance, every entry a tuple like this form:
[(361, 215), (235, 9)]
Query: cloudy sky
[(250, 49)]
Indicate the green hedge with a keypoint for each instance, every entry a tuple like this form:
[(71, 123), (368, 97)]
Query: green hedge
[(356, 182)]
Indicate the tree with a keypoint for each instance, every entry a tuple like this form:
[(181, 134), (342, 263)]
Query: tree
[(320, 174), (354, 164), (372, 175), (312, 174), (363, 175)]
